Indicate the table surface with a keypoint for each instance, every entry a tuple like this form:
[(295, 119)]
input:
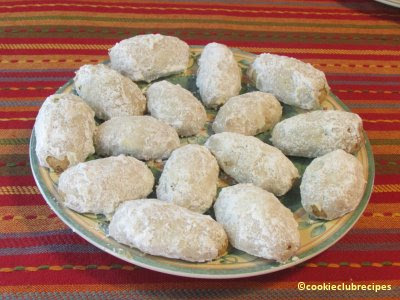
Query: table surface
[(356, 43)]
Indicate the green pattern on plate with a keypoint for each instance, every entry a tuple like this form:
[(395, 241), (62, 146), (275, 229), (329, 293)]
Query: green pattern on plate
[(316, 235)]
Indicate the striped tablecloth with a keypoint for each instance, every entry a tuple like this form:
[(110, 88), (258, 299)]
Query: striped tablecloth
[(356, 43)]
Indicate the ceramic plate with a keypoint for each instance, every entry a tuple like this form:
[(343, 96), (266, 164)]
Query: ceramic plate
[(316, 235), (395, 3)]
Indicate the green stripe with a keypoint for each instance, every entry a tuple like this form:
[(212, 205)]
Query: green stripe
[(245, 35), (388, 169), (387, 157), (205, 21), (384, 142), (17, 141)]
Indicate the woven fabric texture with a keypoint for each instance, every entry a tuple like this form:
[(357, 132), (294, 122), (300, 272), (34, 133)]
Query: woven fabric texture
[(356, 43)]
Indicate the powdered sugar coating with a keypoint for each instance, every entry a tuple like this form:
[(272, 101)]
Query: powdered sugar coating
[(109, 93), (292, 81), (161, 228), (99, 186), (143, 137), (189, 178), (149, 56), (332, 185), (249, 160), (319, 132), (248, 114), (64, 131), (177, 107), (218, 76), (257, 222)]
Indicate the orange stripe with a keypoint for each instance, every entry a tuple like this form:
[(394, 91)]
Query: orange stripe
[(189, 17), (384, 223), (55, 61), (385, 149), (200, 25), (191, 9), (372, 134), (18, 190), (15, 133), (382, 207), (14, 149), (386, 188), (249, 49), (375, 110), (19, 108)]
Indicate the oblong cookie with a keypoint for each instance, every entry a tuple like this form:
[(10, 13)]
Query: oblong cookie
[(143, 137), (292, 81), (257, 222), (219, 75), (109, 93), (99, 186), (189, 178), (319, 132), (248, 114), (149, 56), (64, 131), (332, 185), (249, 160), (160, 228), (177, 107)]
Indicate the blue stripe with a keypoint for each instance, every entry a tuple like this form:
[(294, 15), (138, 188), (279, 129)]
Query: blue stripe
[(373, 105), (34, 234), (35, 71), (21, 103), (33, 79), (67, 248)]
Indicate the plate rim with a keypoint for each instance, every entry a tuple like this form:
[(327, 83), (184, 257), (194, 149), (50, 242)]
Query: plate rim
[(392, 3), (201, 273)]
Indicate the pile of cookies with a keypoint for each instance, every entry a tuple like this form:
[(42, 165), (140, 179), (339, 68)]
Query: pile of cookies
[(140, 127)]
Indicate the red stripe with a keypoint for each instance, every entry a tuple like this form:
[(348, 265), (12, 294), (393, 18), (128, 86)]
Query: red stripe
[(111, 41), (50, 52), (368, 239), (24, 84), (58, 258), (300, 56), (265, 12), (203, 7), (387, 179), (219, 4), (191, 5), (60, 239), (387, 116), (26, 180), (350, 94), (17, 200), (44, 73), (381, 126), (18, 114), (360, 77), (369, 87), (16, 124), (27, 93), (356, 256), (392, 197)]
